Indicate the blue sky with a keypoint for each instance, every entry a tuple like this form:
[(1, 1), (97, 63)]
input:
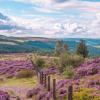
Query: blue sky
[(51, 18)]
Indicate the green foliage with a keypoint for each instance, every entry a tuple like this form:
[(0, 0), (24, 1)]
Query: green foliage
[(82, 49), (67, 60), (75, 60), (59, 47), (68, 73), (40, 63), (85, 94), (24, 73), (54, 61)]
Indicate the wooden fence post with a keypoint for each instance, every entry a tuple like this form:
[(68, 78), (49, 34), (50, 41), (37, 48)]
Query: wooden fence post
[(54, 89), (70, 92), (45, 80), (48, 83), (42, 76)]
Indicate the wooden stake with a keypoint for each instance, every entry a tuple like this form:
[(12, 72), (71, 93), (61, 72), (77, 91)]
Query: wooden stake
[(48, 83), (54, 89), (45, 80), (42, 78), (70, 92)]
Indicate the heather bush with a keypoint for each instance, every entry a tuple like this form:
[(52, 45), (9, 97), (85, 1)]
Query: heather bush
[(88, 68), (4, 95), (24, 73), (9, 68)]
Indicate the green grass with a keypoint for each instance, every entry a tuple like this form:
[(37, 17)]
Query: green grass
[(20, 82), (19, 87)]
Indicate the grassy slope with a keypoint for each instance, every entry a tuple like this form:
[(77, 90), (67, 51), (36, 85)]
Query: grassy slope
[(18, 87)]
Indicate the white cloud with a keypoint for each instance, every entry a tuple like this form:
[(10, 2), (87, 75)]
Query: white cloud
[(85, 25), (51, 27)]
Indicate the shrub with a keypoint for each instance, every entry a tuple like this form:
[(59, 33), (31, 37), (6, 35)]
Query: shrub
[(67, 60), (75, 60), (68, 73), (24, 73), (56, 61), (40, 63), (85, 94)]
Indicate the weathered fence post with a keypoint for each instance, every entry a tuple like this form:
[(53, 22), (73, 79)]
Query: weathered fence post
[(42, 78), (48, 83), (70, 92), (54, 89), (45, 80)]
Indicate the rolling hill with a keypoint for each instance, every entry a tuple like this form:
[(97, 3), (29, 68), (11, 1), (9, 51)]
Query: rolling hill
[(35, 44)]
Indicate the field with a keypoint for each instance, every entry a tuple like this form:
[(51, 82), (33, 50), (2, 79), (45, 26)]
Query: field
[(85, 83), (18, 87), (15, 86), (50, 50)]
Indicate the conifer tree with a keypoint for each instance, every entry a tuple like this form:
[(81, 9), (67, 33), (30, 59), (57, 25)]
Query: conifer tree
[(82, 49), (59, 47)]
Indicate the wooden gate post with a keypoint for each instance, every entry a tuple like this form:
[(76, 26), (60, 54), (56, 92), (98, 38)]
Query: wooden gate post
[(45, 80), (42, 76), (48, 83), (54, 89), (70, 92)]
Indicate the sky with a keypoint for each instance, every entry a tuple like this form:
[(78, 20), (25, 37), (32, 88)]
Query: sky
[(50, 18)]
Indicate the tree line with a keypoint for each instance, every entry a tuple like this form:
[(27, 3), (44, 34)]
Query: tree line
[(81, 48)]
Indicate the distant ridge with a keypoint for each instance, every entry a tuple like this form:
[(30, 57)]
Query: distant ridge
[(43, 45)]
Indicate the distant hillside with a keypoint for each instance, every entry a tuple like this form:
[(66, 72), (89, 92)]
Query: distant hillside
[(35, 44)]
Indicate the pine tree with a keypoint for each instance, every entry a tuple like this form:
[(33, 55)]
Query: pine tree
[(59, 47), (82, 49)]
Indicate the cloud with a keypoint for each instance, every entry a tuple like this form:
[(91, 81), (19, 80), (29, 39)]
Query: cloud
[(44, 26), (51, 27), (56, 18), (94, 27)]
